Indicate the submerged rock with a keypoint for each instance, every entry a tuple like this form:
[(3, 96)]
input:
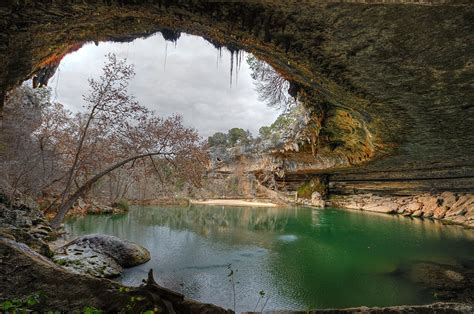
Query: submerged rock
[(101, 255), (446, 282)]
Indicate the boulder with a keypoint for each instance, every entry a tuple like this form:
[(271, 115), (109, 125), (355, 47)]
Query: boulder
[(440, 212), (461, 206), (470, 214), (447, 282), (449, 198), (430, 203), (412, 207), (384, 207), (101, 255), (351, 205), (84, 260), (317, 200), (428, 214), (61, 291), (458, 219)]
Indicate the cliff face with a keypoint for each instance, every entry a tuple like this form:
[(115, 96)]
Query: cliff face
[(391, 84)]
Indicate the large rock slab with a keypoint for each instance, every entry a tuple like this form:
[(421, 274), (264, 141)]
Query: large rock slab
[(381, 207), (100, 255)]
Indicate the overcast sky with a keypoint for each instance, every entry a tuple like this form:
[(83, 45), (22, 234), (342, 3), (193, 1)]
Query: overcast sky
[(191, 83)]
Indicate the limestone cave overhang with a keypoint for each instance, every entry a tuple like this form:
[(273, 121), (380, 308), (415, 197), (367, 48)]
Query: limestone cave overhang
[(393, 82)]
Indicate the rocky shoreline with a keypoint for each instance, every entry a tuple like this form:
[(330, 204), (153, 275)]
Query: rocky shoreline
[(72, 277), (35, 277), (448, 207)]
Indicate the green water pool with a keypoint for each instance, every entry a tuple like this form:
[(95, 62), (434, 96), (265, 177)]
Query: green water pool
[(300, 257)]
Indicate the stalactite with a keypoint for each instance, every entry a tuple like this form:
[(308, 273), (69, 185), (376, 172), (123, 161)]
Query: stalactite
[(166, 56), (231, 66)]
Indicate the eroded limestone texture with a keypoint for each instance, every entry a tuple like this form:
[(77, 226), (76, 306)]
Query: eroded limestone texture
[(391, 82), (100, 255), (457, 208)]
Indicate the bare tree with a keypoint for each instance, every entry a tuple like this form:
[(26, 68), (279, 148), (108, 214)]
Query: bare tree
[(19, 156), (129, 133), (109, 105), (270, 85), (46, 151)]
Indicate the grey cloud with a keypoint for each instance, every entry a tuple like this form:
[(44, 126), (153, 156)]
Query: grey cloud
[(193, 82)]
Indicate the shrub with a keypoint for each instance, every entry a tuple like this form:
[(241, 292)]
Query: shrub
[(121, 204), (313, 185)]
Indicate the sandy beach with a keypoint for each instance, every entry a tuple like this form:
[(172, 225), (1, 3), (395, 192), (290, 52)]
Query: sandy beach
[(233, 202)]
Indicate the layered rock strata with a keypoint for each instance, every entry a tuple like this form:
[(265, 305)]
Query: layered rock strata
[(390, 82)]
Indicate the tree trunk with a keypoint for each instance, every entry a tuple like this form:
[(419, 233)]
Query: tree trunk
[(64, 208)]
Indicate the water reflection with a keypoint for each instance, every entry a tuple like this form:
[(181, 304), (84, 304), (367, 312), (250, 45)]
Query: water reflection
[(219, 223), (300, 257)]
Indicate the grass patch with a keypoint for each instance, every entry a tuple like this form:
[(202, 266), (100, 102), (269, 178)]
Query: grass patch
[(313, 185)]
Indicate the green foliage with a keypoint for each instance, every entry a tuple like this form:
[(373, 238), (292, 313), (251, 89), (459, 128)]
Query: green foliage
[(124, 289), (91, 310), (308, 188), (121, 204), (179, 184), (274, 132), (8, 305), (132, 302), (281, 123), (275, 138), (235, 136), (217, 139), (265, 132), (20, 304), (238, 136), (27, 304)]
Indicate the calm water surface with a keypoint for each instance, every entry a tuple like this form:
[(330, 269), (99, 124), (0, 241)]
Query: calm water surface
[(302, 258)]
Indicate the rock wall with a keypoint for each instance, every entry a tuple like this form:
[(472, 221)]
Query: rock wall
[(456, 208), (402, 72)]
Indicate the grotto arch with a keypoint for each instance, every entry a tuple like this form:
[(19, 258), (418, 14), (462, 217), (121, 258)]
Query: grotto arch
[(391, 81)]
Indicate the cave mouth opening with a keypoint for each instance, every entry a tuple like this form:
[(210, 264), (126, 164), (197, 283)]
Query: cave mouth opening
[(238, 105), (250, 112), (213, 88)]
